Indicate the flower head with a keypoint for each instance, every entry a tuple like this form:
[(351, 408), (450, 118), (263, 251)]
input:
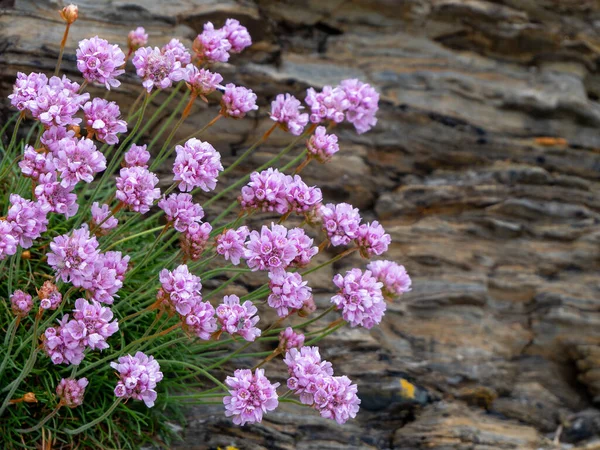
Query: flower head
[(107, 277), (337, 399), (238, 319), (71, 391), (28, 219), (285, 109), (178, 50), (230, 244), (21, 303), (55, 197), (136, 188), (181, 211), (26, 89), (99, 217), (8, 242), (359, 298), (201, 321), (52, 136), (394, 277), (307, 372), (78, 161), (322, 146), (300, 197), (251, 396), (73, 256), (237, 35), (157, 69), (329, 104), (266, 191), (362, 104), (288, 292), (102, 118), (372, 239), (212, 44), (195, 239), (197, 165), (63, 344), (50, 296), (34, 164), (138, 376), (99, 61), (180, 288), (270, 249), (237, 101), (57, 102), (96, 320), (202, 81), (340, 222), (137, 155), (304, 247), (137, 38), (289, 339)]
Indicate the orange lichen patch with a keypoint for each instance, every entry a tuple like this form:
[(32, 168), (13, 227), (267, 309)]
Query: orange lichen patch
[(548, 141)]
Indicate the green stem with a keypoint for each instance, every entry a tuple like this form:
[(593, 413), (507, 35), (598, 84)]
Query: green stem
[(192, 366), (133, 236), (42, 422), (12, 331), (95, 422)]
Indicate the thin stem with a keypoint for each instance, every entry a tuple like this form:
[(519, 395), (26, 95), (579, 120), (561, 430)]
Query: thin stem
[(62, 49), (247, 153), (192, 366), (133, 236), (95, 422), (12, 331), (42, 422)]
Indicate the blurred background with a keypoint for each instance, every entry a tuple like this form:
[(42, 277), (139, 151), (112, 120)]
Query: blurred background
[(484, 167)]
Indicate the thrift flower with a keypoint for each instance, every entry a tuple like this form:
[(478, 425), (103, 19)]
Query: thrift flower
[(212, 45), (137, 38), (302, 198), (137, 155), (73, 256), (181, 211), (340, 222), (329, 104), (21, 303), (322, 146), (393, 276), (238, 319), (8, 243), (197, 165), (230, 244), (362, 104), (28, 219), (288, 292), (57, 102), (55, 197), (201, 320), (99, 61), (180, 288), (136, 188), (178, 50), (95, 322), (237, 101), (304, 247), (138, 376), (307, 372), (102, 118), (201, 81), (359, 298), (194, 241), (50, 297), (52, 136), (337, 399), (60, 344), (27, 88), (71, 391), (107, 277), (266, 191), (372, 239), (289, 339), (34, 164), (251, 396), (99, 215), (237, 35), (285, 109), (157, 69), (270, 249), (78, 161)]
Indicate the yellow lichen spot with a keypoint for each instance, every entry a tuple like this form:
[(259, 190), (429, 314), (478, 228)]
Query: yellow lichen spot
[(407, 389), (229, 447)]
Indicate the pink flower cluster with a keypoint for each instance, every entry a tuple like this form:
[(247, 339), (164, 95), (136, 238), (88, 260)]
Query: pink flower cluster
[(73, 256), (160, 67), (102, 119), (197, 165), (392, 275), (78, 160), (137, 38), (289, 339), (181, 211), (99, 61), (136, 188), (322, 146), (214, 45), (359, 298), (372, 239), (237, 101), (238, 319), (289, 292), (194, 241), (71, 391), (340, 222), (137, 155), (138, 376), (50, 297), (99, 217), (21, 303), (35, 164), (285, 109), (28, 220), (251, 396), (107, 277), (202, 81), (231, 244)]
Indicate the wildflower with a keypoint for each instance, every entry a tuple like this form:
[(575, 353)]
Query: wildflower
[(21, 303), (337, 399), (138, 376), (289, 339), (60, 345), (57, 102), (392, 275), (55, 197), (197, 165), (73, 256), (99, 216), (322, 146), (238, 319), (237, 101), (237, 35), (285, 109), (175, 47), (201, 320), (94, 321), (230, 244), (288, 292), (212, 45), (99, 61), (8, 243), (157, 69), (300, 197), (50, 297), (363, 104), (71, 391), (107, 277), (194, 240), (136, 188), (27, 88), (340, 222), (304, 247), (308, 307), (251, 396), (34, 164), (118, 262), (329, 104), (270, 249), (180, 288), (181, 211), (266, 191), (372, 239), (78, 161), (102, 118), (307, 372), (359, 298), (201, 81), (28, 219), (137, 155), (52, 136), (69, 13), (137, 38)]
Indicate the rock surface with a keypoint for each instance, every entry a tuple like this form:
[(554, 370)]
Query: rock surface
[(485, 169)]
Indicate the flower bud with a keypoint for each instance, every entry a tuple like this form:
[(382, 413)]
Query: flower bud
[(29, 397), (70, 13), (26, 254)]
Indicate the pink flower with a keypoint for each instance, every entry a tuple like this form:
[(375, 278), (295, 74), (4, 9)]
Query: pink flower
[(180, 288), (307, 372), (288, 292), (181, 211), (57, 102), (286, 111), (96, 320), (107, 277), (266, 191), (71, 391), (212, 45), (201, 320), (270, 249), (102, 117), (372, 239), (201, 81), (340, 222), (34, 164), (337, 399), (302, 198), (230, 244), (21, 303), (157, 69), (26, 89), (289, 339), (135, 188), (50, 297), (250, 397), (138, 376), (238, 319), (28, 219), (61, 345), (197, 165), (363, 104), (237, 35), (55, 197), (8, 242), (78, 161), (322, 146), (52, 136), (99, 215), (73, 256), (360, 298), (137, 38), (393, 276), (178, 50), (329, 104), (137, 155), (99, 61), (237, 101), (304, 246), (193, 242)]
